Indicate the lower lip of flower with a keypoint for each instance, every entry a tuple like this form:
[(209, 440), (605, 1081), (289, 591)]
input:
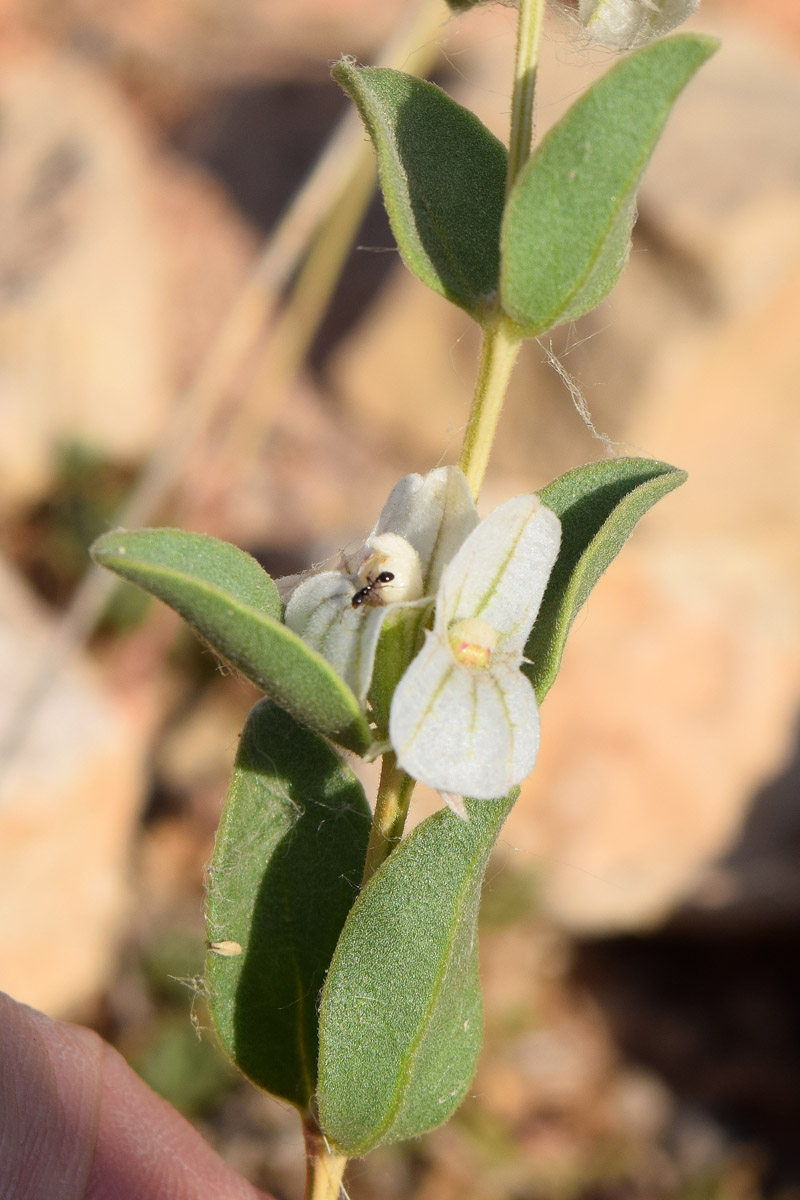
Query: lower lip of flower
[(472, 642)]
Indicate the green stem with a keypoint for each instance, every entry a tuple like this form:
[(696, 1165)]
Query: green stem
[(499, 350), (391, 809), (501, 337), (529, 36), (324, 1169)]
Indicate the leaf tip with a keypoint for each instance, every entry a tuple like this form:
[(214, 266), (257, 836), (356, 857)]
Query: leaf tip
[(107, 547), (342, 70)]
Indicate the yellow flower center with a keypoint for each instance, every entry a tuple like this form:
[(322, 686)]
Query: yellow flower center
[(472, 641)]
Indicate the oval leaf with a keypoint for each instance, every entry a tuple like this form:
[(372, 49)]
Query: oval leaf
[(566, 230), (233, 604), (599, 506), (442, 174), (287, 863), (401, 1016)]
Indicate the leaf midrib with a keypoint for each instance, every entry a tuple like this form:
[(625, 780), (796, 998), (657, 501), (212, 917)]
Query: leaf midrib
[(242, 607), (404, 1078)]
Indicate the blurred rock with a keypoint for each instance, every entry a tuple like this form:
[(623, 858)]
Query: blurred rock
[(418, 401), (198, 748), (204, 41), (71, 790), (722, 193), (781, 17), (80, 347), (675, 701), (206, 249)]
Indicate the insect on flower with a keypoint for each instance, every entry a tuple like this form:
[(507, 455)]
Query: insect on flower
[(340, 613), (371, 592), (384, 586)]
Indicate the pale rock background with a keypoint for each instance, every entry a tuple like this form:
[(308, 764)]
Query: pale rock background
[(70, 799), (81, 356), (716, 671)]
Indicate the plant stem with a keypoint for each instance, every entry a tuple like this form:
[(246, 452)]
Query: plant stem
[(324, 1169), (529, 36), (391, 809), (501, 337), (499, 350)]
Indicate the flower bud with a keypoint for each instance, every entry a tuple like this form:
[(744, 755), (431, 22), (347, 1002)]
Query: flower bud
[(626, 23)]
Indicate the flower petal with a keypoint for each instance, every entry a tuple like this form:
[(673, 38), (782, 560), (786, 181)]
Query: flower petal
[(501, 571), (321, 613), (455, 803), (474, 732), (435, 513)]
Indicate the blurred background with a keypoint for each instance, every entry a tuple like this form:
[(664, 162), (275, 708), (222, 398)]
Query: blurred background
[(641, 917)]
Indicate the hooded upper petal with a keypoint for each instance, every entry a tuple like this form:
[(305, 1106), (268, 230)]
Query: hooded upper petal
[(435, 513), (430, 516), (625, 23)]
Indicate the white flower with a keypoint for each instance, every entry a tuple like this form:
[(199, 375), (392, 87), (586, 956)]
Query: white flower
[(627, 23), (340, 613), (464, 718)]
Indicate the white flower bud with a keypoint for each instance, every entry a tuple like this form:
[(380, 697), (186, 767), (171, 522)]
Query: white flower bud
[(391, 573), (340, 613), (627, 23)]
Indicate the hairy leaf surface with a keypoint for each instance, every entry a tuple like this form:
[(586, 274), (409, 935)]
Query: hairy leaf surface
[(442, 174), (286, 868), (232, 603), (566, 230), (401, 1017), (599, 505)]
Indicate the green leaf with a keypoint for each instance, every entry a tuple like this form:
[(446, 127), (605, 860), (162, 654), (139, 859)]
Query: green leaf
[(233, 604), (443, 179), (286, 868), (401, 1015), (566, 231), (599, 506)]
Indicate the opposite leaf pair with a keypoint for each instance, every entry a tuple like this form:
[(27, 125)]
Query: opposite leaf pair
[(463, 717), (557, 244)]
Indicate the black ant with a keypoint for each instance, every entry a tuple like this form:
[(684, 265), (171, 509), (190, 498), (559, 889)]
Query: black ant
[(370, 594)]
